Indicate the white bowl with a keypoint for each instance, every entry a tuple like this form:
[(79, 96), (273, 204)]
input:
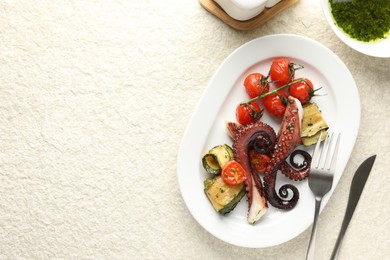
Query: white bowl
[(379, 48), (242, 10)]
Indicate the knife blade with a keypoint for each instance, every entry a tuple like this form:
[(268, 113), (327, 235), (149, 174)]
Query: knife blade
[(357, 185)]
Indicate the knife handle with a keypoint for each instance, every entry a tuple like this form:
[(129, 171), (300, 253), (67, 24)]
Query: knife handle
[(344, 226)]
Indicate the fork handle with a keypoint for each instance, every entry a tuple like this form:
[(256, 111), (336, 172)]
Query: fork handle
[(310, 250)]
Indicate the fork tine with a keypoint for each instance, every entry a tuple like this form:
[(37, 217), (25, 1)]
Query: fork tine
[(315, 156), (326, 160), (332, 165)]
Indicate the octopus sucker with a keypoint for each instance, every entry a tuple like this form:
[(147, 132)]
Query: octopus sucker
[(245, 137)]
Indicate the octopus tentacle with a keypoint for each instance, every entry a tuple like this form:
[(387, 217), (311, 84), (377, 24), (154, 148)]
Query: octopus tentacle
[(297, 171), (279, 200), (244, 139), (263, 143), (232, 128), (288, 139)]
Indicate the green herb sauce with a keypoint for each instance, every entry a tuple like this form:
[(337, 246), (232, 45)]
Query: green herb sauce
[(364, 20)]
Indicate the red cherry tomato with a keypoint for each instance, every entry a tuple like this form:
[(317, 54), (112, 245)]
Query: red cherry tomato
[(282, 71), (259, 161), (276, 104), (256, 84), (303, 90), (248, 113), (233, 173)]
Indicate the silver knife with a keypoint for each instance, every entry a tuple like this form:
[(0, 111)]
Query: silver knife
[(357, 185)]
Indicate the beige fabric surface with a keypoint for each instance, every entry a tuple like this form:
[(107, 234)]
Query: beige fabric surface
[(95, 97)]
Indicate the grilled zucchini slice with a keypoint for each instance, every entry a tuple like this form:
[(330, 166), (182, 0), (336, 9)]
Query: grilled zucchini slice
[(216, 158), (312, 124), (223, 197)]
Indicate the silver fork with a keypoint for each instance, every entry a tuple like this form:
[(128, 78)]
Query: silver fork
[(321, 178)]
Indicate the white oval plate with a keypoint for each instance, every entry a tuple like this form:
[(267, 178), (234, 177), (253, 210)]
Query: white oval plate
[(341, 110), (379, 49)]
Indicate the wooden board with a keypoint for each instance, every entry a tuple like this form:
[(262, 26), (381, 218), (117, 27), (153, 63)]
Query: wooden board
[(247, 25)]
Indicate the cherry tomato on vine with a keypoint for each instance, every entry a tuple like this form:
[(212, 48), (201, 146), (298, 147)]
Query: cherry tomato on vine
[(259, 161), (282, 71), (256, 84), (303, 90), (248, 113), (276, 104), (233, 173)]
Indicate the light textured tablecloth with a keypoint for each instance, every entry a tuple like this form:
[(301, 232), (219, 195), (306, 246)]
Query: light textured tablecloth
[(94, 100)]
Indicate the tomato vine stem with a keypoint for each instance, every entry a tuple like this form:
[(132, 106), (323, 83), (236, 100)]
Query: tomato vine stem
[(273, 91)]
